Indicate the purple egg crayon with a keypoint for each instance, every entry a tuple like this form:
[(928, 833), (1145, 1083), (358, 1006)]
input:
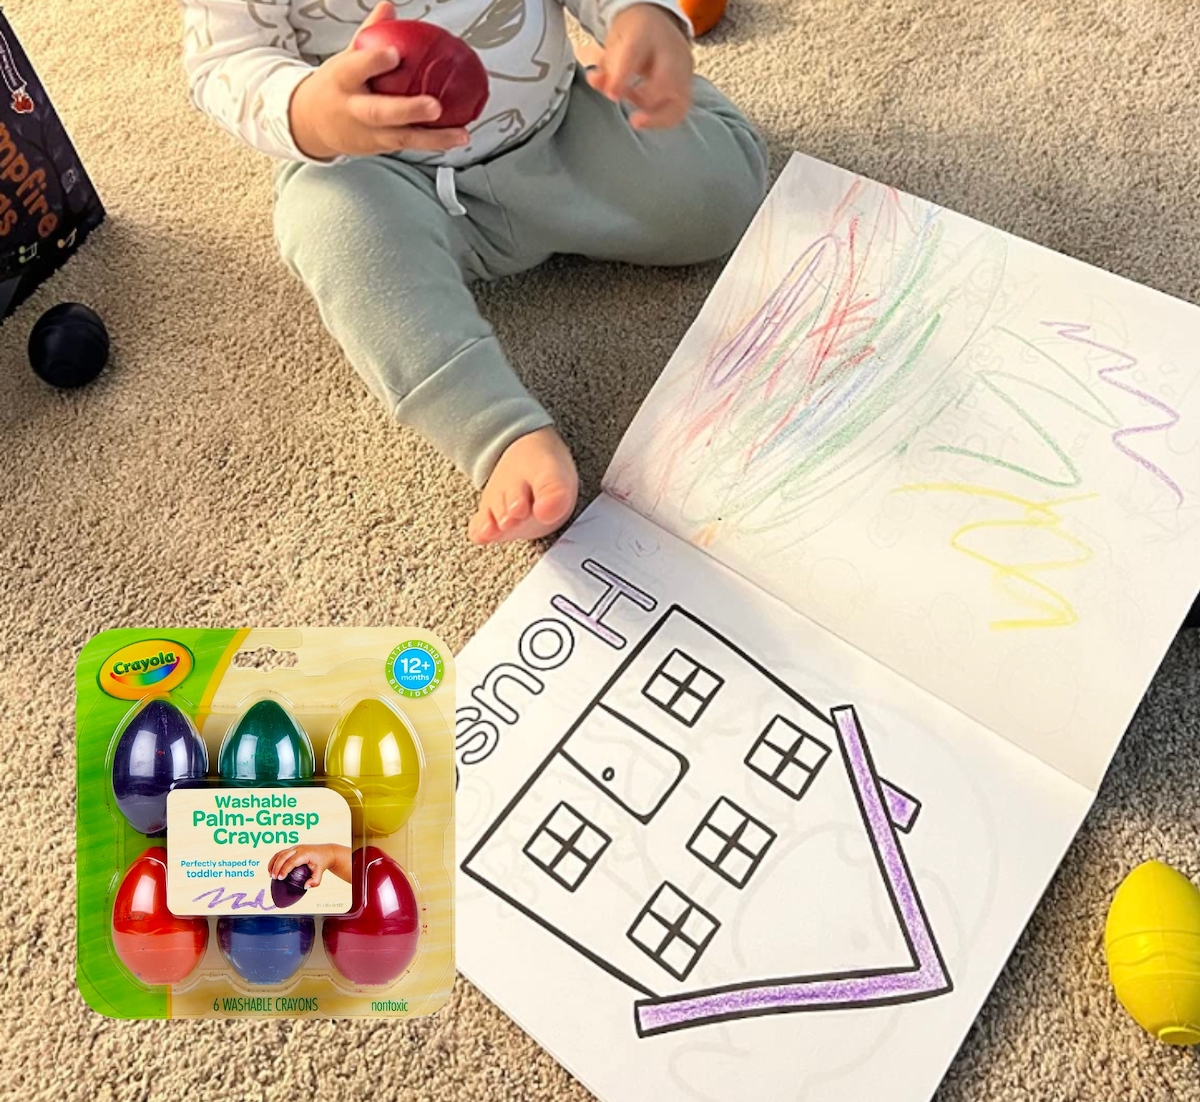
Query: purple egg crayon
[(158, 749), (287, 891)]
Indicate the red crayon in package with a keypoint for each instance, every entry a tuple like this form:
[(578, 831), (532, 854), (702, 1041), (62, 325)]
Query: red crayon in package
[(48, 204)]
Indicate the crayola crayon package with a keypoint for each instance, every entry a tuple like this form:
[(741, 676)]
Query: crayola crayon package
[(48, 205), (265, 822)]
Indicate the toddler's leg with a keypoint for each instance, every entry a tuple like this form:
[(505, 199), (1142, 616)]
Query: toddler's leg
[(600, 188), (387, 266)]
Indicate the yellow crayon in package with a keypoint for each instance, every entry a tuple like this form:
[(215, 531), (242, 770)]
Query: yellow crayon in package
[(265, 822)]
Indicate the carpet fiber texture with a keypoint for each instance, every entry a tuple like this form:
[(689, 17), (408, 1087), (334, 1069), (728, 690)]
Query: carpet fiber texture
[(230, 468)]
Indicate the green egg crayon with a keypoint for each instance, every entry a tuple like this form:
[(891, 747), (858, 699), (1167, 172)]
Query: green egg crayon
[(266, 746)]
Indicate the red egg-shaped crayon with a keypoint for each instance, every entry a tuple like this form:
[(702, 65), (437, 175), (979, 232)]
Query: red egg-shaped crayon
[(377, 940), (155, 945), (433, 62)]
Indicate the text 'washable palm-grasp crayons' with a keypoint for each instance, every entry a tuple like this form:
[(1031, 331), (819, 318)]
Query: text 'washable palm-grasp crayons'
[(265, 822)]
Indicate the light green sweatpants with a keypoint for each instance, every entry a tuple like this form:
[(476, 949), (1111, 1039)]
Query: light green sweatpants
[(389, 265)]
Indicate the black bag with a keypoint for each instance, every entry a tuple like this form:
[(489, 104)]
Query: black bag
[(48, 205)]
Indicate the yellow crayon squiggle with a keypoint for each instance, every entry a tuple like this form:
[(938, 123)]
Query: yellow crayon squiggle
[(1016, 580)]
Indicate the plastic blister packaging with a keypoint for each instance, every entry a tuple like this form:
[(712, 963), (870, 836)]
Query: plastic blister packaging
[(265, 822)]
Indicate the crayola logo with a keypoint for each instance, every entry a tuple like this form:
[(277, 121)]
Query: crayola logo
[(148, 666)]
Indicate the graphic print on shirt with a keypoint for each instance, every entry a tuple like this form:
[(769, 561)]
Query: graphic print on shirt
[(519, 29), (693, 801), (244, 58)]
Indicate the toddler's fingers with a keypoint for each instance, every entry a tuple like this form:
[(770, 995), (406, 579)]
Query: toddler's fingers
[(661, 112), (381, 112), (351, 69), (664, 97), (314, 881), (279, 867), (624, 63), (662, 118), (597, 77), (379, 14), (421, 140)]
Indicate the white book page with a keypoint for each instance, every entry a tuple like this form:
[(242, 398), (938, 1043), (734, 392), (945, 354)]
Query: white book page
[(972, 458), (708, 850)]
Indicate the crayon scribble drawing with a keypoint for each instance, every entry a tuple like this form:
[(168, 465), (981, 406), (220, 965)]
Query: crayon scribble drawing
[(839, 368), (853, 372), (695, 799), (880, 574)]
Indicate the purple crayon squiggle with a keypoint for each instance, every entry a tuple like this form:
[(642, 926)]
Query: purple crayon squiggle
[(237, 900), (925, 977), (1077, 332), (759, 336)]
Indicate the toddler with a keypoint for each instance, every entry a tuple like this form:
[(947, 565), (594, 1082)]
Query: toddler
[(387, 222)]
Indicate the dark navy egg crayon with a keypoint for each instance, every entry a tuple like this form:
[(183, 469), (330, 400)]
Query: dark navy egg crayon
[(377, 940), (266, 949), (157, 750), (266, 746), (291, 888), (155, 945)]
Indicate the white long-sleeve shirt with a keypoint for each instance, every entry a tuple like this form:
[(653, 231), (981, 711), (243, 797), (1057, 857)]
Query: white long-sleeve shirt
[(244, 59)]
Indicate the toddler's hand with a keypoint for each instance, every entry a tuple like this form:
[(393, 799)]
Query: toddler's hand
[(319, 859), (334, 113), (647, 61)]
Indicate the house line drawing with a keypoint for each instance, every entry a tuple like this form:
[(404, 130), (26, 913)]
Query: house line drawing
[(710, 838)]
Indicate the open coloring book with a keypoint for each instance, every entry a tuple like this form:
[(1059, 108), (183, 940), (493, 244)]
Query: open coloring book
[(764, 767)]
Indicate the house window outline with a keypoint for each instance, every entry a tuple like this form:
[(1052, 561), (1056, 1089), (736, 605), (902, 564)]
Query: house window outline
[(733, 848), (565, 846), (673, 930), (790, 763), (682, 687)]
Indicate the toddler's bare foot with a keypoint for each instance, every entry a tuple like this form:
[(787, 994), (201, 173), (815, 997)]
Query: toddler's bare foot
[(531, 492)]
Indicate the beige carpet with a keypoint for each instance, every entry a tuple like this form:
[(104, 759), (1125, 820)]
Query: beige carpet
[(231, 469)]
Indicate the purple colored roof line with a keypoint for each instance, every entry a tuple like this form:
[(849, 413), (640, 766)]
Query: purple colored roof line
[(924, 978)]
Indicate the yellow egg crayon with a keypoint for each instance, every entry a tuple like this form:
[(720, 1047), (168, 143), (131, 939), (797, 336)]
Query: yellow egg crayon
[(374, 749), (1152, 941)]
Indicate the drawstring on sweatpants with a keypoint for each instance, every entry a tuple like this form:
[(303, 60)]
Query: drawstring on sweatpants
[(448, 193)]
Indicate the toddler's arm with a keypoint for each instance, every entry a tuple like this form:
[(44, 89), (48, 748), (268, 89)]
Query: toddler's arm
[(247, 74), (243, 66), (647, 59)]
